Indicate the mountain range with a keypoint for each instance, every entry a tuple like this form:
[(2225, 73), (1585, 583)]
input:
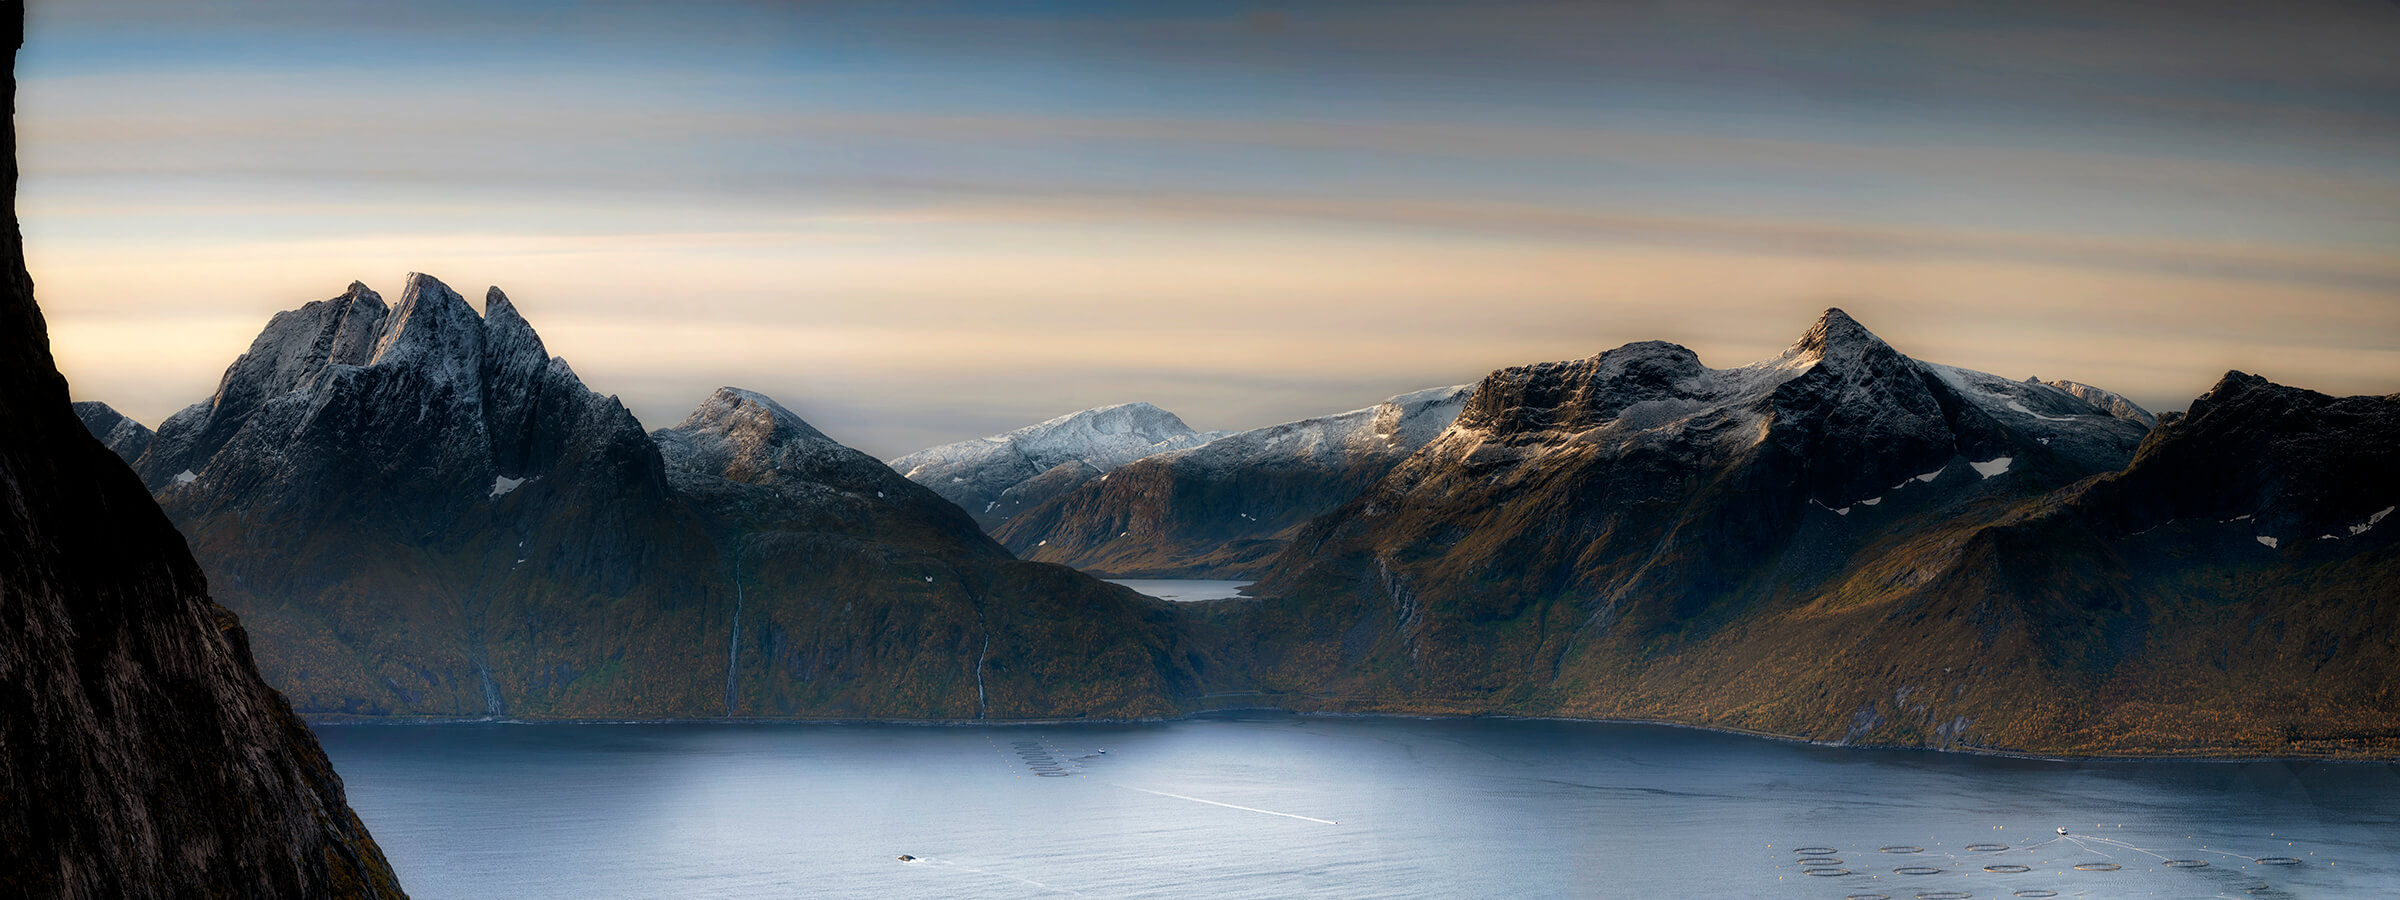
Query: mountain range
[(418, 512), (421, 514), (1849, 545)]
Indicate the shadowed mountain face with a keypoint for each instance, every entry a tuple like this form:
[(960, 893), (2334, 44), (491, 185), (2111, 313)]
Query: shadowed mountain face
[(1660, 493), (1225, 508), (1844, 543), (140, 753), (858, 589), (422, 513), (997, 477), (122, 436)]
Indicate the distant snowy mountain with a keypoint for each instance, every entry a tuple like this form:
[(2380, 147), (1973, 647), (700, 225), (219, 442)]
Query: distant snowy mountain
[(995, 477), (2107, 401), (1223, 508)]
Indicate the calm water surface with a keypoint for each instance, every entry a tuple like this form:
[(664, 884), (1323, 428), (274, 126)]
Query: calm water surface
[(1270, 805), (1185, 590)]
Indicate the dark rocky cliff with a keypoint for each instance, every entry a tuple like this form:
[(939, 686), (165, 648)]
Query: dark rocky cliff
[(140, 753)]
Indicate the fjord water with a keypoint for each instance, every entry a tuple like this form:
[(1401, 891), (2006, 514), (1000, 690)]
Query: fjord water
[(1274, 805), (1185, 590)]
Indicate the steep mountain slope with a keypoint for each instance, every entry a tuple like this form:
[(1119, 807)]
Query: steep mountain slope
[(422, 513), (1222, 509), (1839, 543), (930, 606), (140, 753), (996, 477), (2234, 590)]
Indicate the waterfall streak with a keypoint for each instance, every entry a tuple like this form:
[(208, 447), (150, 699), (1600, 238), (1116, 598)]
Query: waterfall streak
[(733, 641), (980, 706)]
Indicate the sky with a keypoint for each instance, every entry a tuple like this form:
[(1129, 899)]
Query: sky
[(916, 222)]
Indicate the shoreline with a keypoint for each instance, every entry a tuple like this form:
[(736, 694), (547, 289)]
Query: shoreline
[(317, 719)]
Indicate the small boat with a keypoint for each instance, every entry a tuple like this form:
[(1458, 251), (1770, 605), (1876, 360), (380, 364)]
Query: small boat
[(907, 858), (2062, 830)]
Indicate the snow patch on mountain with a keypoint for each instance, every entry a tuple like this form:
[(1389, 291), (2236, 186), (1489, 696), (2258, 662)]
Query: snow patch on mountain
[(2019, 406), (1391, 429), (1005, 473)]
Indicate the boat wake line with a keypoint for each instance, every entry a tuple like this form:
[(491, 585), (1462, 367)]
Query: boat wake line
[(927, 861), (1231, 806)]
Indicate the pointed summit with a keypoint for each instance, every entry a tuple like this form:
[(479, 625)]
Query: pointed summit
[(745, 436), (1836, 336), (432, 326), (506, 333)]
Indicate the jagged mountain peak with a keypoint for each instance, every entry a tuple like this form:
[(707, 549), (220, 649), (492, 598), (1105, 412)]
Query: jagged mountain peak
[(506, 329), (431, 322), (496, 301)]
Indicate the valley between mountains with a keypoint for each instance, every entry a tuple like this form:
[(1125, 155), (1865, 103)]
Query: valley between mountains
[(418, 512)]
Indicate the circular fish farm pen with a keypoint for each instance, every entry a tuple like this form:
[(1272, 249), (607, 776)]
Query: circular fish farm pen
[(2277, 861), (2035, 892), (1868, 897), (1816, 851), (1816, 861), (1826, 872), (2185, 863), (1986, 848), (1902, 848), (2098, 867), (1943, 895), (2008, 868), (1916, 870)]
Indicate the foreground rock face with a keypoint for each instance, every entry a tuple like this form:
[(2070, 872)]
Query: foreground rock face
[(140, 753), (1225, 508), (422, 513)]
